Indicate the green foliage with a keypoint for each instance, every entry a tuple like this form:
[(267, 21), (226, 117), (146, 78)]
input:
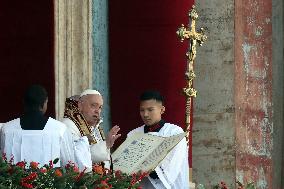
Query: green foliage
[(22, 176)]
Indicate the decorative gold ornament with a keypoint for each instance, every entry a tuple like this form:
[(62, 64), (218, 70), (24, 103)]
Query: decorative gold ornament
[(194, 37)]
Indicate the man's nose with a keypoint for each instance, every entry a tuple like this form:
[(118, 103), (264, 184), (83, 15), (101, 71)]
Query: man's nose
[(97, 110), (145, 114)]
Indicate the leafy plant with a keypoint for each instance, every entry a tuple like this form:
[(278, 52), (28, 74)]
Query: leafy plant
[(22, 176)]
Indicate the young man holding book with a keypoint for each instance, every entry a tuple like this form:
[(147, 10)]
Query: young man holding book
[(173, 171)]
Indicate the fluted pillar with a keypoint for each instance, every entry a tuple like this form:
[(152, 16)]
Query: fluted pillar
[(73, 49)]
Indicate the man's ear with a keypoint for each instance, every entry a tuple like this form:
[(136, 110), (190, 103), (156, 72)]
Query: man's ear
[(40, 108), (163, 109)]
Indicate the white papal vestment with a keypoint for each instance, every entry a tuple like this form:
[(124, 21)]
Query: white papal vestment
[(173, 171), (96, 152), (37, 145)]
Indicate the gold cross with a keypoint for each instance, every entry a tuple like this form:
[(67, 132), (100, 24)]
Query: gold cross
[(194, 37), (192, 34)]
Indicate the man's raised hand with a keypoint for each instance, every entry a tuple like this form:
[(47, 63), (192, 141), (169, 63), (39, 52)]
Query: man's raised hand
[(112, 136)]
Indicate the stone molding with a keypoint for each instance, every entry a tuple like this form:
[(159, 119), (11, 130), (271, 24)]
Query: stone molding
[(73, 49)]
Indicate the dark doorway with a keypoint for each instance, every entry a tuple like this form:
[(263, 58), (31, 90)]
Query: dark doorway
[(26, 53)]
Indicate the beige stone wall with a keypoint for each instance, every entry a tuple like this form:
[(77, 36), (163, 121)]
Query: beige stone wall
[(73, 49), (213, 124), (278, 92)]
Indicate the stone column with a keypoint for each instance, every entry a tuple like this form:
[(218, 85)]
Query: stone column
[(73, 49), (253, 92), (238, 118), (278, 92), (214, 109)]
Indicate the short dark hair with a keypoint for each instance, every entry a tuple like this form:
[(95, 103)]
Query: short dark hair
[(152, 95), (34, 97)]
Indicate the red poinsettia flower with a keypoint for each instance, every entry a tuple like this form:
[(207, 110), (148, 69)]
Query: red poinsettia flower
[(69, 165), (21, 164), (43, 170), (142, 175), (105, 185), (34, 165), (31, 177), (27, 185), (117, 173), (58, 173), (76, 169), (104, 182), (133, 179), (98, 169), (78, 177)]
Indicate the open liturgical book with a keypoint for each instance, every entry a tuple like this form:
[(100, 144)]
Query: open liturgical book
[(143, 152)]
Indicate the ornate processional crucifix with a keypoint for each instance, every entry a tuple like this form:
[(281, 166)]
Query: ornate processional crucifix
[(194, 37)]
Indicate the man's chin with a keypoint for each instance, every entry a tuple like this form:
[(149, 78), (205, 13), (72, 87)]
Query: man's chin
[(148, 123), (93, 122)]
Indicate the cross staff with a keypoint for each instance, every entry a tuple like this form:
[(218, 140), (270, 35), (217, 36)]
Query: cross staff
[(194, 37)]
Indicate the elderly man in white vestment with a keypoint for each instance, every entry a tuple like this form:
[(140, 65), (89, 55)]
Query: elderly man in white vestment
[(173, 171), (83, 118), (34, 137)]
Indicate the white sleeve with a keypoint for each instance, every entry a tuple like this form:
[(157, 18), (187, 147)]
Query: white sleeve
[(100, 152), (81, 147), (67, 149), (170, 168), (82, 154)]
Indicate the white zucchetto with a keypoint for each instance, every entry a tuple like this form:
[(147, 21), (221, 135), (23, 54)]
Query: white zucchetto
[(90, 92)]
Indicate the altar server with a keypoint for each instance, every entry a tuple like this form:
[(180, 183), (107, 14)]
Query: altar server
[(173, 171), (34, 137)]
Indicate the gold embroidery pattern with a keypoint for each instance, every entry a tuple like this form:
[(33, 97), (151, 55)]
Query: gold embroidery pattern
[(102, 132)]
